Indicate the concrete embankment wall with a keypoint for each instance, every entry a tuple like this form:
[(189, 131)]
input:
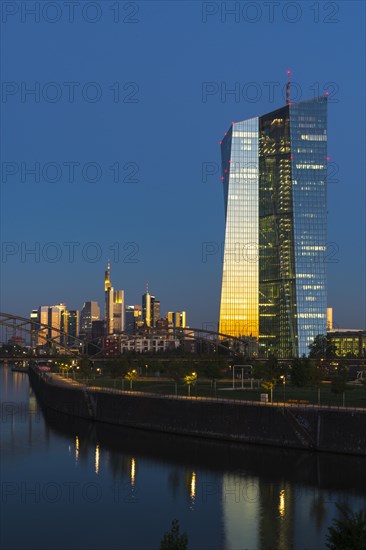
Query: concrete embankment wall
[(334, 430)]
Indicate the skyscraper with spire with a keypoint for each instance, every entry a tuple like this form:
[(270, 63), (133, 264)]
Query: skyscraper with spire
[(108, 293), (114, 305), (146, 306)]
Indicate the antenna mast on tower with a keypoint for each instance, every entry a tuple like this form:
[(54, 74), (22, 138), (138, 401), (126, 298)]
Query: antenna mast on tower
[(288, 88)]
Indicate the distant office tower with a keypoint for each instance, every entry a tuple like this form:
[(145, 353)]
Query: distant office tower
[(274, 171), (155, 310), (56, 319), (90, 312), (98, 329), (177, 319), (119, 311), (146, 307), (64, 322), (34, 328), (73, 326), (180, 319), (133, 318), (108, 293), (329, 318), (43, 319)]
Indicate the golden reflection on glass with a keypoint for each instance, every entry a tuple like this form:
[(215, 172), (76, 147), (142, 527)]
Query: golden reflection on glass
[(282, 504), (76, 449), (97, 454), (133, 472), (239, 313)]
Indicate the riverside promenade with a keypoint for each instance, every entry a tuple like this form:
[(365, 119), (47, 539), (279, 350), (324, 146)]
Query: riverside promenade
[(301, 426)]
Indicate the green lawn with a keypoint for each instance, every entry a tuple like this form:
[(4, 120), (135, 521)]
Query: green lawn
[(354, 396)]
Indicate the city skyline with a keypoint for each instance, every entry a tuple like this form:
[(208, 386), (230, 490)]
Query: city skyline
[(162, 224), (92, 322), (183, 268)]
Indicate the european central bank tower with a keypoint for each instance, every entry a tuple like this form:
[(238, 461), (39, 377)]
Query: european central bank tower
[(274, 173)]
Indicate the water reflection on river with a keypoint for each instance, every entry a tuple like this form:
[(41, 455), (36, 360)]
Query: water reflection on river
[(71, 484)]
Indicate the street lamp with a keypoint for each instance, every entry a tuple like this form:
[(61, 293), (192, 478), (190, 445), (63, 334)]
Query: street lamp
[(190, 379), (283, 378)]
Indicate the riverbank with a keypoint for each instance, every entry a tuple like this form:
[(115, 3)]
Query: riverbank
[(300, 427)]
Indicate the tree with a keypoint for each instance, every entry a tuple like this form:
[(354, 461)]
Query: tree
[(177, 370), (300, 372), (152, 366), (270, 374), (322, 347), (349, 532), (85, 366), (316, 373), (119, 367), (211, 369), (339, 384), (258, 370), (173, 540)]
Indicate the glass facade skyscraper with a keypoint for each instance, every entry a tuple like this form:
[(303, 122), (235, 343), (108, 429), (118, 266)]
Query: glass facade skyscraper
[(240, 280), (274, 272)]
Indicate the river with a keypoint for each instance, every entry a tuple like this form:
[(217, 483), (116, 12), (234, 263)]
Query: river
[(72, 484)]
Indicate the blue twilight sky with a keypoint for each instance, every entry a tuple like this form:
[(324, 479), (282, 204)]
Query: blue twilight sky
[(138, 96)]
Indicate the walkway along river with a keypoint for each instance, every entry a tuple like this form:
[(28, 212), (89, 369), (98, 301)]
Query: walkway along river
[(329, 429)]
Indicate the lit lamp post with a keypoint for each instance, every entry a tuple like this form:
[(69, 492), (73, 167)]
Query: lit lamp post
[(189, 380), (283, 378), (131, 376)]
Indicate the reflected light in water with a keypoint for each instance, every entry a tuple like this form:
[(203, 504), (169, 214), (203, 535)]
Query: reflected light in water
[(97, 458), (193, 486), (282, 504), (133, 471), (76, 449)]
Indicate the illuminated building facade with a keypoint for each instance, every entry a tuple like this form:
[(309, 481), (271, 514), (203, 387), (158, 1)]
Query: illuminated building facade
[(56, 317), (240, 278), (119, 311), (90, 312), (133, 316), (274, 270), (73, 326), (146, 307), (329, 318), (114, 309), (177, 319), (348, 342), (155, 311), (34, 329)]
